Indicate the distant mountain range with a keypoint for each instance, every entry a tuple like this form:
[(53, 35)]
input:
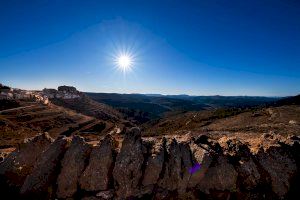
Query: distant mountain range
[(142, 107)]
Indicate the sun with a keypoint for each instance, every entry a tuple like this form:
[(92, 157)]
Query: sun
[(124, 61)]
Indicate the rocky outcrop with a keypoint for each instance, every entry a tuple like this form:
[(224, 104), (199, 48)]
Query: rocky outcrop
[(178, 167), (62, 92), (66, 89)]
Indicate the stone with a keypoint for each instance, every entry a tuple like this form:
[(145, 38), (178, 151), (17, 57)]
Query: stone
[(98, 174), (73, 164), (249, 175), (39, 184), (220, 176), (128, 167), (202, 158), (280, 166), (154, 165), (20, 162), (176, 175)]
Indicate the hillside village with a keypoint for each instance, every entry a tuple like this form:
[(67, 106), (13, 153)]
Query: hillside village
[(62, 92)]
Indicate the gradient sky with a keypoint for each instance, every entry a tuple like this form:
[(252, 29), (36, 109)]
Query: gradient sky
[(249, 47)]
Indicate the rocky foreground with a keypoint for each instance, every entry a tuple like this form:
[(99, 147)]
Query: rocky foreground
[(149, 168)]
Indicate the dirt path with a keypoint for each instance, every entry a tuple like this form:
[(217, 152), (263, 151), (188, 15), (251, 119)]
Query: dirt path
[(15, 109)]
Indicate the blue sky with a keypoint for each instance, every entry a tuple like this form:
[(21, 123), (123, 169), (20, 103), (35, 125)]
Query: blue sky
[(180, 47)]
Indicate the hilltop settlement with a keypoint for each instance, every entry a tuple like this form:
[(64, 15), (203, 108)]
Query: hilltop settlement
[(62, 92)]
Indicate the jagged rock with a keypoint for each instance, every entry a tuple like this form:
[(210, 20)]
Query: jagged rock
[(73, 165), (280, 166), (201, 158), (39, 183), (99, 171), (211, 145), (20, 163), (220, 176), (154, 165), (128, 167), (176, 175), (235, 148), (249, 176)]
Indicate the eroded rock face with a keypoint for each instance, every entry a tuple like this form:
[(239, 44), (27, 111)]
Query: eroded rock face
[(128, 167), (98, 173), (73, 164), (20, 163), (44, 174)]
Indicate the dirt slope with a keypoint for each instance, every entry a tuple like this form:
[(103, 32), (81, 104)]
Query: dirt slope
[(282, 120)]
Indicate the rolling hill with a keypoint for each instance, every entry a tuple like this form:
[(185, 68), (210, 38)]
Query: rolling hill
[(142, 108)]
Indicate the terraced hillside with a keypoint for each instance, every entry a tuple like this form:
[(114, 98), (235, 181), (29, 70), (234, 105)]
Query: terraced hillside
[(32, 118), (89, 107)]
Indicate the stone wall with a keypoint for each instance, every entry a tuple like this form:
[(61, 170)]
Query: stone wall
[(151, 168)]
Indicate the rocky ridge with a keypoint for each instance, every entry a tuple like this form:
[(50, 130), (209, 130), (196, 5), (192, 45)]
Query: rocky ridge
[(177, 167)]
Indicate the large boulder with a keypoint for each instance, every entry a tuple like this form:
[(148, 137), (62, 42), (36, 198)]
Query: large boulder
[(39, 184), (19, 164), (73, 164), (128, 167), (98, 174)]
